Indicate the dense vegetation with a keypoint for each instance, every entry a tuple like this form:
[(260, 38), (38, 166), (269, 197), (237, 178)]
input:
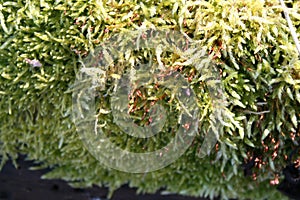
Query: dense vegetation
[(44, 43)]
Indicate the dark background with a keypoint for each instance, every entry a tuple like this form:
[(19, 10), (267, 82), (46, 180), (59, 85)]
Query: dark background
[(24, 184)]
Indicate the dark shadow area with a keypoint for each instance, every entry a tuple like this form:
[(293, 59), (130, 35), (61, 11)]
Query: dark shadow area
[(24, 184)]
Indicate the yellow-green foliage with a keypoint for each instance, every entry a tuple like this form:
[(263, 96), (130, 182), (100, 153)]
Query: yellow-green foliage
[(249, 41)]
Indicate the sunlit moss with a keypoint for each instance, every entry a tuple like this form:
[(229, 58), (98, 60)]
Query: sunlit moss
[(43, 42)]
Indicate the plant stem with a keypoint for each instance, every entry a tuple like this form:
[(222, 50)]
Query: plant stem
[(291, 27)]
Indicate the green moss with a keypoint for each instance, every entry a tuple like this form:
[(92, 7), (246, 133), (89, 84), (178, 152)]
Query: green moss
[(254, 54)]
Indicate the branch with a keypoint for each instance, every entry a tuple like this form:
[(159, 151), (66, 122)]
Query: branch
[(290, 24)]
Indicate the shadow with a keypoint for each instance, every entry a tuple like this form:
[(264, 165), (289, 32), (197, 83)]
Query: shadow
[(24, 184)]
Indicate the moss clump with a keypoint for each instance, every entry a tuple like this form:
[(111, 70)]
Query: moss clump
[(252, 49)]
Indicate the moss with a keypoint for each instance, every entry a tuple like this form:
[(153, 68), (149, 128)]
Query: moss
[(252, 50)]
